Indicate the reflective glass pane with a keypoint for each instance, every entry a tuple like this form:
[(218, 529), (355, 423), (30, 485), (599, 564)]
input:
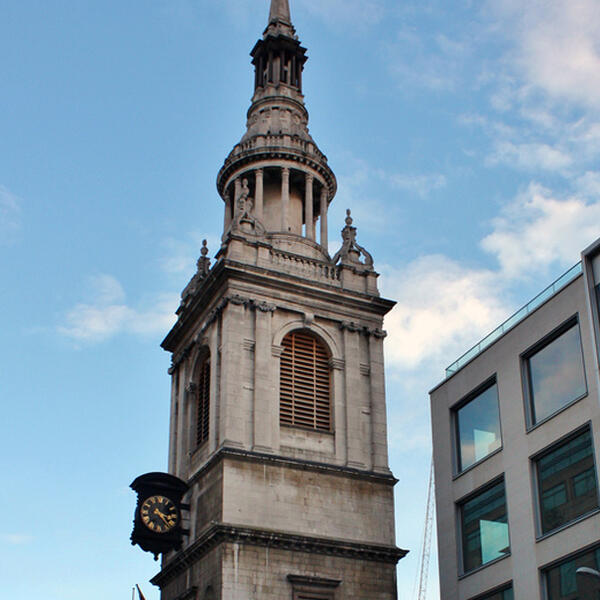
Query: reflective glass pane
[(556, 374), (567, 482), (506, 594), (478, 424), (485, 527), (562, 582)]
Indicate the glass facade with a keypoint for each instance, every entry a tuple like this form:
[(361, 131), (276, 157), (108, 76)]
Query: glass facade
[(478, 427), (567, 482), (562, 582), (555, 375), (484, 527)]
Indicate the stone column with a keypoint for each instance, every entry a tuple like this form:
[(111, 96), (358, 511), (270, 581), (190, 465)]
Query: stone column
[(324, 218), (258, 200), (285, 198), (308, 208), (228, 212), (236, 194)]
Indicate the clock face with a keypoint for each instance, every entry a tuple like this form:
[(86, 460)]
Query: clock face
[(159, 514)]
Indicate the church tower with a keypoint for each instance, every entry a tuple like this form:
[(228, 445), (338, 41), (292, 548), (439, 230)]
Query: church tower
[(278, 418)]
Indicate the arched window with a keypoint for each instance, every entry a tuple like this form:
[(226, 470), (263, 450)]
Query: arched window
[(304, 397), (202, 399)]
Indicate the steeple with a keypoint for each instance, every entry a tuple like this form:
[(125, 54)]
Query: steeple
[(277, 176), (278, 416)]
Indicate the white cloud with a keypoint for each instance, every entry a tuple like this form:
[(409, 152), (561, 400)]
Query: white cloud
[(589, 183), (433, 63), (530, 156), (107, 314), (537, 230), (420, 184), (16, 539), (442, 309), (10, 210), (556, 47)]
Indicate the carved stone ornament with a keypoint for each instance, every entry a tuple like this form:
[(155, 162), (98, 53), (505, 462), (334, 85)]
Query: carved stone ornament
[(244, 221), (195, 283), (350, 253), (351, 326), (203, 263)]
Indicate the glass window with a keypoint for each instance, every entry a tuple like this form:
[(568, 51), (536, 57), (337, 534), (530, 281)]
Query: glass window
[(484, 527), (567, 482), (562, 582), (478, 427), (555, 373), (505, 594)]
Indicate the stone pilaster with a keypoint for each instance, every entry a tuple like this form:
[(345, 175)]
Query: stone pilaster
[(323, 216), (353, 406), (377, 389), (231, 418), (265, 407)]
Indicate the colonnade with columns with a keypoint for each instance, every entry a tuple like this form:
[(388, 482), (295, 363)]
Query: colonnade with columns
[(291, 180)]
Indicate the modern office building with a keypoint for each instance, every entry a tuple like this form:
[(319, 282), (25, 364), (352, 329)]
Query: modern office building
[(516, 437), (278, 416)]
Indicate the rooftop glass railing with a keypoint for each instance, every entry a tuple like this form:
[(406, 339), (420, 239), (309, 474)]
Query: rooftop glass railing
[(489, 339)]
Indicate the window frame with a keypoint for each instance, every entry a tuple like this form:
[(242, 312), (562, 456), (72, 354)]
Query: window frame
[(456, 454), (543, 570), (525, 357), (565, 439), (195, 387), (504, 587), (460, 527), (313, 588)]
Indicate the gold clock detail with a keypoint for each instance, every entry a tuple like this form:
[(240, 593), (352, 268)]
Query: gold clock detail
[(159, 514)]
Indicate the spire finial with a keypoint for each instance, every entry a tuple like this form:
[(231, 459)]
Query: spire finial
[(280, 11), (280, 21)]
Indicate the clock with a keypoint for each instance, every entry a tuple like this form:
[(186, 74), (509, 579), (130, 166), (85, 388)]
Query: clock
[(159, 514), (158, 517)]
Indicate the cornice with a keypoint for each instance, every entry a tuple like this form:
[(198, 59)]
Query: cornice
[(219, 533), (274, 280), (270, 153), (292, 463)]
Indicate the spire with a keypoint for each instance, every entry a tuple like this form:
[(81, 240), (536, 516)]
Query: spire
[(280, 11), (280, 21)]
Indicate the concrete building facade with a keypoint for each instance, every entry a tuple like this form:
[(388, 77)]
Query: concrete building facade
[(516, 436), (278, 416)]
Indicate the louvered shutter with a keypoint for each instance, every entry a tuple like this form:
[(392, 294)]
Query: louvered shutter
[(305, 382), (203, 402)]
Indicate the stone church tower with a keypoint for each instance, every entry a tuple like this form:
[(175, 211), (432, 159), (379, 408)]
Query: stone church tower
[(278, 418)]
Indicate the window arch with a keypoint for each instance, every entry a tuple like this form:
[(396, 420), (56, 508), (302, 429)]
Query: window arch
[(305, 382), (202, 389)]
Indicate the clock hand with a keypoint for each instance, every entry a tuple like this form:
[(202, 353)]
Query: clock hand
[(163, 517)]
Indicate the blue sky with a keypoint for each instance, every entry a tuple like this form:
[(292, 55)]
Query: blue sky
[(465, 137)]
